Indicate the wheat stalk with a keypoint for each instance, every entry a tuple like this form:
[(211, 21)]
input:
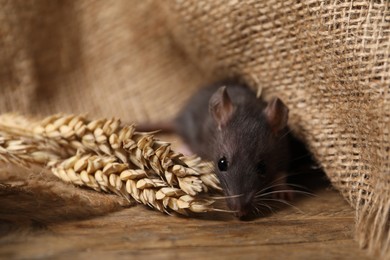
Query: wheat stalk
[(105, 156), (24, 151)]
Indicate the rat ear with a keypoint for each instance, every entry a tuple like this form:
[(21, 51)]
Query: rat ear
[(221, 107), (276, 114)]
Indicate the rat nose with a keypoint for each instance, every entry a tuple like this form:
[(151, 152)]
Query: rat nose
[(241, 213), (240, 205)]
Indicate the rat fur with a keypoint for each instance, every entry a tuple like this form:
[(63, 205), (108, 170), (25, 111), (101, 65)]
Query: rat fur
[(244, 136)]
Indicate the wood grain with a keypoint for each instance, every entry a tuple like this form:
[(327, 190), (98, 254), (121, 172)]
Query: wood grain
[(41, 217)]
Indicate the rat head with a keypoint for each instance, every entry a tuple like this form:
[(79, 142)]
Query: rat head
[(245, 142)]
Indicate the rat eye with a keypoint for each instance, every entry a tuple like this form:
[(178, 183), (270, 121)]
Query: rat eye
[(261, 167), (223, 164)]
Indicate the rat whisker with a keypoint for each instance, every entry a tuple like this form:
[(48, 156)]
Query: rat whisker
[(261, 212), (264, 189), (254, 209), (224, 210), (227, 197), (273, 206), (286, 203), (267, 188), (264, 205), (283, 191), (258, 211), (274, 183), (284, 135), (270, 185), (277, 180), (281, 184), (292, 185), (297, 186)]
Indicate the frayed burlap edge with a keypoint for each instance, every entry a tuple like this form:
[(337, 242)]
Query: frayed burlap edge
[(328, 61)]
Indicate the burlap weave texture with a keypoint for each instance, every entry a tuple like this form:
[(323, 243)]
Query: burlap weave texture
[(328, 60)]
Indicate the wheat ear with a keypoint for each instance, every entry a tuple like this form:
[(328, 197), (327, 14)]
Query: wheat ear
[(104, 155), (102, 172)]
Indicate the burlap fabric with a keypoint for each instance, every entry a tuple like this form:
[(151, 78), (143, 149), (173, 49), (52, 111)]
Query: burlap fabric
[(140, 60)]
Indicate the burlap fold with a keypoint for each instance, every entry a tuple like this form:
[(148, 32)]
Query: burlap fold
[(329, 61)]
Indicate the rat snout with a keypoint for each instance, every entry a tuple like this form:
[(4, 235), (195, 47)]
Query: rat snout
[(243, 212), (241, 205)]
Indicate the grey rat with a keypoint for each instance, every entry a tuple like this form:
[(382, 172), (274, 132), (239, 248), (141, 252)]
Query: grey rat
[(243, 135)]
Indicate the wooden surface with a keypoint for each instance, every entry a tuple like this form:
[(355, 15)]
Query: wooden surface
[(322, 229)]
